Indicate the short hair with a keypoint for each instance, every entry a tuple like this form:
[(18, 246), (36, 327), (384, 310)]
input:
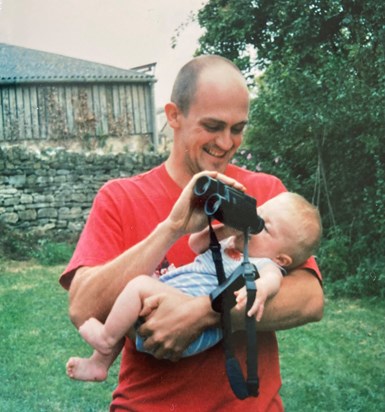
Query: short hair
[(185, 85), (308, 230)]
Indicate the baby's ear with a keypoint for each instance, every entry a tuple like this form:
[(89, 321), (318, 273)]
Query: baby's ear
[(283, 260)]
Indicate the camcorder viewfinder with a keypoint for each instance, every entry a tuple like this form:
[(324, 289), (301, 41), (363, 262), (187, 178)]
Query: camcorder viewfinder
[(228, 205)]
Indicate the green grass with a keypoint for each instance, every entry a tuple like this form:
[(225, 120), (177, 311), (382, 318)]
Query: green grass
[(336, 365), (36, 340)]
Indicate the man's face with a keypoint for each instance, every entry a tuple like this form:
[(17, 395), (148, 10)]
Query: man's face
[(212, 130)]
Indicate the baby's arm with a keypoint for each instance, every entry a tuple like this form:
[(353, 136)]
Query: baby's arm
[(199, 242), (267, 286)]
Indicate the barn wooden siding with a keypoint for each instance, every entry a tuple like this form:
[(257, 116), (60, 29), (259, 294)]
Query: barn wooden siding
[(64, 110)]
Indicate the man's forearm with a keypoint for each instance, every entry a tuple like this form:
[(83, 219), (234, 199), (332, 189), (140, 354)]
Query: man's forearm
[(94, 289), (179, 319), (299, 301)]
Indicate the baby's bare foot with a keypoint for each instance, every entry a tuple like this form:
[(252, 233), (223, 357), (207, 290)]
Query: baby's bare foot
[(86, 369)]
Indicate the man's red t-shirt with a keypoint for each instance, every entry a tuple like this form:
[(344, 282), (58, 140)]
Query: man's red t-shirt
[(124, 212)]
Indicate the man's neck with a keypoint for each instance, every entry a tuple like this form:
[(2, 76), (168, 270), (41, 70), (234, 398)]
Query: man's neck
[(177, 173)]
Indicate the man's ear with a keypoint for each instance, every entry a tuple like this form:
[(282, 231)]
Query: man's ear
[(283, 260), (172, 113)]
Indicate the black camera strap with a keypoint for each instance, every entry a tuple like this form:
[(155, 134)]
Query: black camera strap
[(246, 273), (215, 248)]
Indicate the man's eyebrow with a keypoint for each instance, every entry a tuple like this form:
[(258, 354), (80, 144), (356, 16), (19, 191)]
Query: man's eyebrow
[(221, 122), (243, 123), (212, 120)]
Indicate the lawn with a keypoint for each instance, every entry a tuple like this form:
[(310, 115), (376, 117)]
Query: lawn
[(37, 338), (335, 365)]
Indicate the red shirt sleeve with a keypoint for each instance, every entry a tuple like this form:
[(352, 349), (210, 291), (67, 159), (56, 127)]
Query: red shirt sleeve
[(101, 239)]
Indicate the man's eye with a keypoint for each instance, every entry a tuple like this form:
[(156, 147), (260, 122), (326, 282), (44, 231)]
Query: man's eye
[(237, 130), (212, 129)]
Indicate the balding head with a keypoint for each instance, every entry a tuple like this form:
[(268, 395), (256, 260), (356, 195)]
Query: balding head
[(190, 76)]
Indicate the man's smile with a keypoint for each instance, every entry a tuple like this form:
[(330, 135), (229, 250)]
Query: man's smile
[(215, 152)]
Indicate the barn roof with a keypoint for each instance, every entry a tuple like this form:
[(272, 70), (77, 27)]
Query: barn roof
[(21, 65)]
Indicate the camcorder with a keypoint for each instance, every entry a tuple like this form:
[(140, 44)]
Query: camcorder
[(228, 205)]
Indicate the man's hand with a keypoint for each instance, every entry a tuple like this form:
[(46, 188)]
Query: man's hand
[(172, 322), (185, 217)]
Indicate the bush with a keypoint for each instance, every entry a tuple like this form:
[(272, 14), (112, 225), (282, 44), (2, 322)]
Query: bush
[(367, 280), (349, 266), (22, 245), (334, 255), (16, 245), (53, 253), (350, 256)]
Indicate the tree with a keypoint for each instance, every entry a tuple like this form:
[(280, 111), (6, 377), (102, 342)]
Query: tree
[(319, 118)]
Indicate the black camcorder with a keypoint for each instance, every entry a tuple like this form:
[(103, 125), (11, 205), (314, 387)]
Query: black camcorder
[(228, 205)]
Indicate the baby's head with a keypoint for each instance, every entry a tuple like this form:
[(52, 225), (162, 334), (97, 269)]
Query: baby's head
[(292, 230)]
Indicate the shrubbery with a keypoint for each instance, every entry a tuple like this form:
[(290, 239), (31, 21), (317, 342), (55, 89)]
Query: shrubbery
[(317, 119), (17, 245), (351, 253), (53, 253)]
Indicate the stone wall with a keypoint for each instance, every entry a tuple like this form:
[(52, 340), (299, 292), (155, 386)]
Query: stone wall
[(51, 190)]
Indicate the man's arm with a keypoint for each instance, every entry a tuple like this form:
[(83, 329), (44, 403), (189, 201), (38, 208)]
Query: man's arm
[(177, 322), (93, 290), (300, 300)]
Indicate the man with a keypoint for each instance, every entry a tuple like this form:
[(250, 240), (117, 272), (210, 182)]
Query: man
[(137, 223)]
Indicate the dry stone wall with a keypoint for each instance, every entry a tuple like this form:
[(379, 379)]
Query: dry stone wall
[(51, 190)]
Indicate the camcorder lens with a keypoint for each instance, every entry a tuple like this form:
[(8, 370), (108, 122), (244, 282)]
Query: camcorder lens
[(212, 205), (202, 185)]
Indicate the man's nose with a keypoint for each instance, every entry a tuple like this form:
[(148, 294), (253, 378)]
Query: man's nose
[(225, 140)]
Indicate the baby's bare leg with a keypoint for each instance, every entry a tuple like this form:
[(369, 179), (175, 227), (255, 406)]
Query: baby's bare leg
[(108, 339), (123, 314)]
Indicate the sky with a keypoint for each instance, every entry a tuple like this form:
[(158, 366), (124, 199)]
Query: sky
[(120, 33)]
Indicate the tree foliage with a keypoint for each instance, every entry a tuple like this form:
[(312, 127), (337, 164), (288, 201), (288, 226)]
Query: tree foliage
[(318, 120)]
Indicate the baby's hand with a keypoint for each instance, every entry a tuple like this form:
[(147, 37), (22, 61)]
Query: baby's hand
[(241, 298), (258, 305), (167, 269)]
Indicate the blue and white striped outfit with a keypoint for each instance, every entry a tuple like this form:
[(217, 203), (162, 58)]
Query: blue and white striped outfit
[(199, 278)]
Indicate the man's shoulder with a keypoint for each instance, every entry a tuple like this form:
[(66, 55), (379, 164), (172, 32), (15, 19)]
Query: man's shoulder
[(263, 186), (147, 178), (244, 175)]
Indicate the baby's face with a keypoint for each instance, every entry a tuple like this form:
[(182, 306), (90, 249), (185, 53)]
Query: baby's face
[(273, 239)]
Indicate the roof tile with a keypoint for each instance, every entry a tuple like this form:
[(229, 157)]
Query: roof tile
[(22, 65)]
